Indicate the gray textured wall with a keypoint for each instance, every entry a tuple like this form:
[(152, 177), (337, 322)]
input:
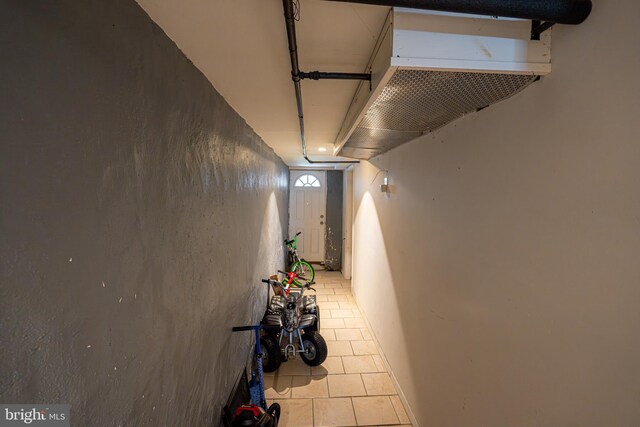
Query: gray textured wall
[(138, 212), (333, 235)]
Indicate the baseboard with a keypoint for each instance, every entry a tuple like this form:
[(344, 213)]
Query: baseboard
[(403, 398)]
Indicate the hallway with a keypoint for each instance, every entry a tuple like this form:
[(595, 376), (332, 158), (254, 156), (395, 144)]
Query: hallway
[(352, 387), (473, 171)]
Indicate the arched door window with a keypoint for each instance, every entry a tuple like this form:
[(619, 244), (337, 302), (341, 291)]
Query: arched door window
[(307, 181)]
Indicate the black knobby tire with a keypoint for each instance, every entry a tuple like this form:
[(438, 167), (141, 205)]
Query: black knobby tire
[(315, 348), (274, 412), (271, 353)]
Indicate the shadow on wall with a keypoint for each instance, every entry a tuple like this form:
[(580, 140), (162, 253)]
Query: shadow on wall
[(393, 286), (373, 281), (413, 297)]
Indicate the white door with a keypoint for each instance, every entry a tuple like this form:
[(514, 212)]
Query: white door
[(307, 204)]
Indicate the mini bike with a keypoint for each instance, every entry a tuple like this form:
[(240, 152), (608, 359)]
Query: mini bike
[(292, 325)]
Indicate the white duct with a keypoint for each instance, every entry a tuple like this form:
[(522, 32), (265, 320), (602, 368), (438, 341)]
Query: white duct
[(430, 68)]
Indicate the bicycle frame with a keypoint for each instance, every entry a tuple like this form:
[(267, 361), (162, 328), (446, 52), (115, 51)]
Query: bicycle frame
[(292, 247), (296, 263)]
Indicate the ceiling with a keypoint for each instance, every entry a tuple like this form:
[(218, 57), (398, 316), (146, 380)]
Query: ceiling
[(241, 47)]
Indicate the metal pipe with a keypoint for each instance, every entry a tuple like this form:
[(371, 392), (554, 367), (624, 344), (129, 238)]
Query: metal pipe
[(318, 75), (537, 28), (289, 18), (556, 11)]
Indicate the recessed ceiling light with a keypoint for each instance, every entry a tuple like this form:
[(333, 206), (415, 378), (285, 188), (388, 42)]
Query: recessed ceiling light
[(322, 149)]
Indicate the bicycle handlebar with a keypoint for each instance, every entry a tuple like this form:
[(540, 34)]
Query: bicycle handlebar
[(288, 242), (306, 285)]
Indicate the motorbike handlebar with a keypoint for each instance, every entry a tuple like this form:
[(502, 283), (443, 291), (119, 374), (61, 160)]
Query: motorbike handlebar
[(244, 328), (254, 327)]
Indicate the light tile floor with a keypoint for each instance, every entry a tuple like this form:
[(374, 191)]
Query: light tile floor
[(352, 387)]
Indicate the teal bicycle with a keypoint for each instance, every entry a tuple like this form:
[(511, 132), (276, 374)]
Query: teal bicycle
[(297, 265)]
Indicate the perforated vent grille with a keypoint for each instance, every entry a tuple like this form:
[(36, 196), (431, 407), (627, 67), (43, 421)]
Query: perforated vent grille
[(415, 102)]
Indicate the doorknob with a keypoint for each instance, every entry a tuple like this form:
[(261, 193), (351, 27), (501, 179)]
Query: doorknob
[(321, 222), (321, 216)]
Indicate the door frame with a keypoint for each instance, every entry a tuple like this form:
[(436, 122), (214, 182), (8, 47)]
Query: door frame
[(323, 199), (347, 222)]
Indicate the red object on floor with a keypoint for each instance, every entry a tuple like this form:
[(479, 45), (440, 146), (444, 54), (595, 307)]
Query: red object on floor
[(251, 408)]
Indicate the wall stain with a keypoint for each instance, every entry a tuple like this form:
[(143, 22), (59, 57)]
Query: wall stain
[(333, 234)]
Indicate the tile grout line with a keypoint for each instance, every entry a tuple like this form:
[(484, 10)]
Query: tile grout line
[(353, 408), (396, 410)]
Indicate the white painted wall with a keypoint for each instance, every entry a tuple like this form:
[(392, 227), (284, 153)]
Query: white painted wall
[(502, 275)]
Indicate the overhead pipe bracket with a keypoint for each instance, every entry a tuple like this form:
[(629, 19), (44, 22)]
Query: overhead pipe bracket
[(296, 76)]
